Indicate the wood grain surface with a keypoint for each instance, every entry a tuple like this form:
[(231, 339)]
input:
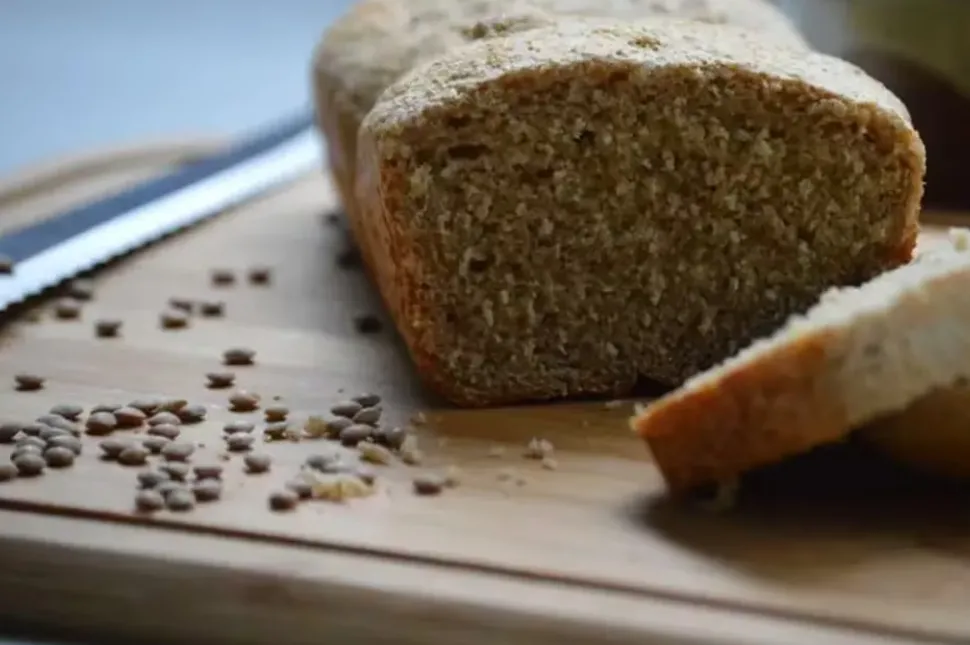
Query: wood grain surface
[(588, 552)]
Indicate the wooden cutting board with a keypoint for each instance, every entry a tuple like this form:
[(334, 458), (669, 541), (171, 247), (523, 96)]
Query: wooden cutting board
[(588, 552)]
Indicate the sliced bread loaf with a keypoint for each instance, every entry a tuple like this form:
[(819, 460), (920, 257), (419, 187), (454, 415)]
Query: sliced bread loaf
[(564, 210), (377, 41), (858, 355)]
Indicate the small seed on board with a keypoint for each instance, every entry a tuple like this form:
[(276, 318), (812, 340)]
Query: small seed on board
[(239, 442), (375, 454), (283, 500), (222, 277), (107, 328), (180, 500), (219, 380), (236, 427), (171, 405), (49, 433), (391, 437), (177, 470), (149, 501), (101, 423), (133, 455), (346, 408), (167, 488), (428, 484), (111, 448), (129, 417), (152, 478), (148, 405), (27, 382), (368, 416), (243, 401), (207, 490), (165, 430), (6, 265), (29, 464), (452, 477), (164, 418), (368, 324), (7, 472), (182, 304), (80, 289), (36, 442), (68, 441), (302, 488), (257, 462), (410, 452), (106, 407), (212, 308), (32, 429), (178, 451), (69, 411), (367, 399), (173, 319), (260, 275), (9, 431), (192, 413), (276, 431), (59, 457), (325, 462), (208, 471), (354, 434), (67, 309), (57, 421), (238, 356), (276, 413), (155, 443), (23, 450)]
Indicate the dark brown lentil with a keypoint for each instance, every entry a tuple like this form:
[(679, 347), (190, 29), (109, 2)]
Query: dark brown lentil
[(29, 464), (354, 434), (9, 431), (59, 457), (111, 448), (80, 289), (182, 304), (33, 429), (167, 488), (178, 451), (149, 405), (69, 411), (27, 382), (428, 484), (107, 328), (180, 500), (7, 472), (129, 417), (239, 442), (367, 399), (237, 427), (193, 413), (133, 455), (222, 277), (368, 416), (283, 500), (276, 413), (368, 324), (164, 418), (219, 380), (177, 470), (346, 408), (70, 442), (207, 490), (165, 430), (238, 356), (49, 433), (152, 478), (171, 405), (37, 442), (67, 309), (101, 423), (149, 501), (208, 471), (302, 488), (260, 275), (57, 421), (25, 450), (243, 402), (155, 443), (173, 319), (257, 462), (212, 308)]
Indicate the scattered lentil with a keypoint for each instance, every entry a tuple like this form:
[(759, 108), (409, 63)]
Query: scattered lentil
[(59, 457), (219, 380), (393, 438), (149, 501), (283, 500), (80, 289), (173, 319), (182, 304), (368, 416), (325, 462), (70, 442), (243, 402), (354, 434), (27, 382), (180, 500), (238, 356), (67, 309), (155, 443), (375, 454), (133, 455), (57, 421), (239, 442), (106, 407), (111, 448), (208, 471), (222, 277), (367, 399), (260, 275), (23, 450), (193, 413), (276, 431), (7, 472), (69, 411), (149, 405), (101, 423), (207, 490), (167, 488), (539, 449), (428, 484), (36, 442), (152, 478), (9, 431), (346, 409), (368, 324), (300, 486), (164, 418), (107, 328), (257, 462), (129, 417), (32, 429), (29, 464), (177, 470), (171, 405), (165, 430), (236, 427), (276, 413), (178, 451), (212, 308)]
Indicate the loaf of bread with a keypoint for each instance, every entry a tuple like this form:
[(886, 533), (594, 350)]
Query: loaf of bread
[(377, 41), (859, 355), (565, 210)]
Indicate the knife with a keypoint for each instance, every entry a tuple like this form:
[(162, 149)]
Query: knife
[(49, 252)]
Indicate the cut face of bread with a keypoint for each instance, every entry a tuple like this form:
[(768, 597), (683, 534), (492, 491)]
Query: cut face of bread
[(859, 355), (565, 210)]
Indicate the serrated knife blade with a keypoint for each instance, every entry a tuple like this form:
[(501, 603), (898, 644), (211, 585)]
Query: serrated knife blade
[(49, 252)]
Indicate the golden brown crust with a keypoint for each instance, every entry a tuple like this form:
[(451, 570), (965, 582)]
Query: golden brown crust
[(772, 409)]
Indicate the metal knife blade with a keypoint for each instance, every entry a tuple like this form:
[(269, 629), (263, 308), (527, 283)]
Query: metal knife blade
[(80, 239)]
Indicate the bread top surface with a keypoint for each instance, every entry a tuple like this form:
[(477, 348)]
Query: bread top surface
[(379, 40), (647, 44)]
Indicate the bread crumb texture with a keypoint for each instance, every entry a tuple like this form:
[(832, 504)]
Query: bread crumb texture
[(564, 210), (859, 354)]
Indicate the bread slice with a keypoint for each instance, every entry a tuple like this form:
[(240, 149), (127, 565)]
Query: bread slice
[(377, 41), (858, 355), (564, 210)]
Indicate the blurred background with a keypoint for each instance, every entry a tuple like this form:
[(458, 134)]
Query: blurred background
[(81, 74)]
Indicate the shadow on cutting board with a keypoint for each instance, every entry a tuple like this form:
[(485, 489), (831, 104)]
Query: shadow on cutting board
[(792, 521)]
